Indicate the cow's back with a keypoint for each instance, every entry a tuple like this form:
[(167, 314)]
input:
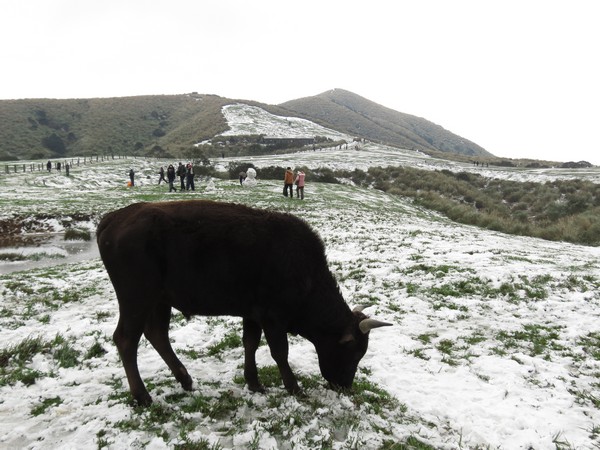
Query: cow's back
[(206, 257)]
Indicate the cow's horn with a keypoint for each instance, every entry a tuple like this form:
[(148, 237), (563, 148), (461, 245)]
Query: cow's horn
[(367, 325), (359, 308)]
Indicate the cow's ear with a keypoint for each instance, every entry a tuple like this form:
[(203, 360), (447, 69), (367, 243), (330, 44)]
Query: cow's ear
[(348, 337)]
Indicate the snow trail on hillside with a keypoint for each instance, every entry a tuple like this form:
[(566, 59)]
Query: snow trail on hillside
[(245, 119)]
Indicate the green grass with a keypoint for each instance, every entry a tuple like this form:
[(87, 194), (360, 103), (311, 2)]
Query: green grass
[(95, 351), (45, 405), (73, 234), (590, 344), (533, 339), (15, 359), (285, 415), (562, 210), (229, 341), (12, 256), (443, 311), (412, 443)]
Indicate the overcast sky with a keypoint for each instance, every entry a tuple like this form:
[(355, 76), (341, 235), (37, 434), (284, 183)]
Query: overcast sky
[(521, 78)]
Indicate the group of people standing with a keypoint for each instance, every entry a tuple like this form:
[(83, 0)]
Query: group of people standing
[(58, 167), (290, 180), (186, 178), (185, 174)]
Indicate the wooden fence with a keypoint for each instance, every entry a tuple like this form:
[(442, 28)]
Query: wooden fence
[(56, 164)]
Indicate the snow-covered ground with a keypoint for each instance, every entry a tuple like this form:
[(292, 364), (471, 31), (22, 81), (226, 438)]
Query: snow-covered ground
[(495, 343), (244, 119)]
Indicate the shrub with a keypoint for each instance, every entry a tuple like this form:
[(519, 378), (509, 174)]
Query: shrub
[(74, 234), (234, 169), (55, 144)]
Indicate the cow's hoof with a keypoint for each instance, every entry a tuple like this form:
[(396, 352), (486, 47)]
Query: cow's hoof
[(295, 390), (187, 383), (184, 379), (338, 389), (300, 394), (257, 388), (143, 400)]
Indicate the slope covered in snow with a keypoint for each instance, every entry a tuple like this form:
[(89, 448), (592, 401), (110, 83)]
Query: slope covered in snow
[(494, 344), (245, 119)]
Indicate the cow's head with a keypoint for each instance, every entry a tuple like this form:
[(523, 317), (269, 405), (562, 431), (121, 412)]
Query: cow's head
[(339, 356)]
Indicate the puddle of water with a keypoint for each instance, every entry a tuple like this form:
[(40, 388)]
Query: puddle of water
[(44, 250)]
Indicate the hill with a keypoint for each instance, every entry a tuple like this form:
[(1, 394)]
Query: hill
[(167, 125), (355, 115), (143, 125)]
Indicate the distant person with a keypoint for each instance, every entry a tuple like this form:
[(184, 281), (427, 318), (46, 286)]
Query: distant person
[(58, 166), (189, 177), (161, 175), (67, 168), (171, 177), (299, 182), (181, 174), (288, 183), (242, 176), (131, 177), (49, 166)]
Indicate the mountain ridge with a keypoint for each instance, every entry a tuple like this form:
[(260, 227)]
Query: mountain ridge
[(170, 124), (379, 123)]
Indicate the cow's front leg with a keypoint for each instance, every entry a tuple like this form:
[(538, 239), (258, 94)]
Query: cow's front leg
[(251, 339), (157, 332), (278, 343)]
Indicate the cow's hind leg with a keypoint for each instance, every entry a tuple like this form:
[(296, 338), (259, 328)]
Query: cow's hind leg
[(251, 340), (157, 332), (127, 338)]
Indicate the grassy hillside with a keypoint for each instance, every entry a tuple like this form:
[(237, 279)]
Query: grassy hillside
[(158, 125), (494, 344), (169, 125), (350, 113)]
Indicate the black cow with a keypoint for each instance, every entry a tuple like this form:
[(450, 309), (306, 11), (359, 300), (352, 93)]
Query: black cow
[(209, 258)]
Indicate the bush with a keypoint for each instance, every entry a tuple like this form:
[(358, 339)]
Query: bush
[(324, 175), (234, 169), (55, 144), (73, 234), (272, 173), (590, 235), (566, 210)]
